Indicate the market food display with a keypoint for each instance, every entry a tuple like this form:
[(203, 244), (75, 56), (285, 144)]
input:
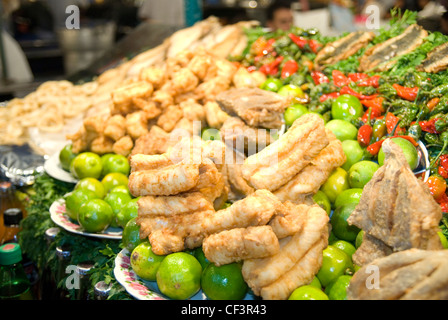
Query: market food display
[(287, 162)]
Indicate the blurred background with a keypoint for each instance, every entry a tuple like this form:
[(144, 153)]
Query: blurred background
[(51, 40)]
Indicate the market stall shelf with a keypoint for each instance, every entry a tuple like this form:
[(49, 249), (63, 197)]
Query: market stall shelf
[(141, 289), (59, 217), (53, 167)]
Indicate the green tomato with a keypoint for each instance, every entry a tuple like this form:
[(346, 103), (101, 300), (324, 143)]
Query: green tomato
[(308, 292), (337, 289), (294, 112), (361, 173), (322, 200), (353, 153), (335, 184), (290, 90), (339, 223), (272, 84), (352, 195), (409, 151), (342, 129), (346, 107), (335, 263)]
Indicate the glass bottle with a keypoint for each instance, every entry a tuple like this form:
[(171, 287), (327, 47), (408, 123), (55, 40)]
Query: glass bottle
[(7, 200), (82, 270), (63, 254), (48, 283), (14, 284), (11, 220), (101, 290)]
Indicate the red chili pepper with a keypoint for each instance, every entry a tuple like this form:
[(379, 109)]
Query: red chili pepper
[(376, 103), (443, 172), (443, 202), (289, 68), (319, 77), (443, 161), (410, 139), (373, 112), (437, 186), (391, 124), (271, 68), (251, 68), (373, 81), (314, 45), (429, 125), (364, 135), (339, 79), (298, 40), (433, 103), (326, 96), (348, 90), (355, 77), (375, 147), (406, 92)]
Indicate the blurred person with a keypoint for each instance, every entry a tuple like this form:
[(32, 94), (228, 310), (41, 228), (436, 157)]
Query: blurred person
[(178, 13), (444, 23), (279, 16), (430, 9)]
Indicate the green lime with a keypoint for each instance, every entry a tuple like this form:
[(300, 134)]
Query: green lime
[(91, 184), (332, 237), (131, 235), (144, 262), (225, 282), (115, 163), (346, 107), (95, 215), (127, 212), (316, 283), (179, 276), (199, 254), (308, 292), (337, 289), (361, 172), (359, 237), (86, 164), (342, 129), (210, 134), (345, 246), (272, 84), (322, 200), (335, 184), (353, 153), (335, 263), (443, 239), (114, 179), (293, 112), (339, 223), (352, 195), (66, 156), (76, 199), (290, 90), (409, 151), (117, 200)]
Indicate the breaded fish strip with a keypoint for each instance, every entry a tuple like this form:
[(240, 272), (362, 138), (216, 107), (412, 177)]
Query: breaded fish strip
[(169, 180), (261, 273), (310, 179), (239, 244), (141, 162), (184, 203), (276, 164)]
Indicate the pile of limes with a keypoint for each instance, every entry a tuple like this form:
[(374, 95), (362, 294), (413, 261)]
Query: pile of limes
[(101, 197)]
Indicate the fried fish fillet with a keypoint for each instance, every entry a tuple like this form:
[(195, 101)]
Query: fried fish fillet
[(396, 208), (437, 60), (298, 260), (279, 162), (382, 56), (413, 274), (310, 179), (239, 244), (169, 234)]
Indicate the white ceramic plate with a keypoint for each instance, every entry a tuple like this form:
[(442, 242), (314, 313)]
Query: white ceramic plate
[(59, 217), (142, 289), (53, 167)]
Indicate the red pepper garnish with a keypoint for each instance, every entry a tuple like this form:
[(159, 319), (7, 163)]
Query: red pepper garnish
[(326, 96), (298, 40), (376, 103), (443, 202), (355, 77), (372, 81), (251, 68), (391, 123), (375, 147), (406, 92), (443, 172), (373, 112), (271, 68), (289, 68), (339, 79), (364, 135), (319, 77), (314, 45), (429, 125), (348, 90)]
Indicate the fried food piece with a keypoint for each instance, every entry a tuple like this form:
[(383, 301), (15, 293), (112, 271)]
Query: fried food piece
[(371, 248), (155, 75), (396, 208), (183, 81), (102, 145), (122, 97), (143, 162), (79, 140), (123, 146), (436, 60), (279, 162), (290, 220), (208, 90), (245, 79), (115, 127), (148, 107), (210, 182), (312, 177), (184, 203), (156, 141), (169, 180), (239, 244), (413, 274), (170, 117), (199, 65), (162, 98), (189, 230), (136, 124), (299, 259), (257, 107), (214, 115), (238, 186)]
